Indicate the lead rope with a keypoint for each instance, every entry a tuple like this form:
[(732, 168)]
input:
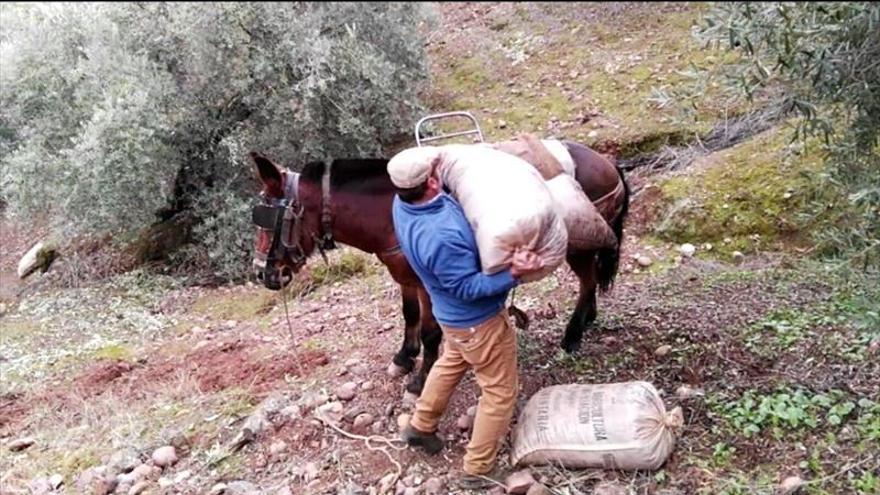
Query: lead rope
[(284, 295)]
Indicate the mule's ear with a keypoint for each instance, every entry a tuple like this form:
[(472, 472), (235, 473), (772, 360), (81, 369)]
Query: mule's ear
[(270, 174)]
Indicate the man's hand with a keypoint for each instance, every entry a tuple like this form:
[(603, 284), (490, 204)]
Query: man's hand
[(525, 262)]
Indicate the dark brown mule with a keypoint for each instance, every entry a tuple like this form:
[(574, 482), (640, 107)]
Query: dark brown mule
[(351, 203)]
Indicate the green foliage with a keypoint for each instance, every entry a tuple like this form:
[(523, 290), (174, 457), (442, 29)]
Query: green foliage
[(119, 115), (791, 410), (817, 59)]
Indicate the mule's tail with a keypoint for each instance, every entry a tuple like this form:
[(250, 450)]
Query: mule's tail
[(608, 260)]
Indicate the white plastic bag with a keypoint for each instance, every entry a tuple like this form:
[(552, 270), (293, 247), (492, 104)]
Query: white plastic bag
[(612, 426)]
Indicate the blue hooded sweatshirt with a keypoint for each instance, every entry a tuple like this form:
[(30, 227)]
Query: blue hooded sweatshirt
[(439, 244)]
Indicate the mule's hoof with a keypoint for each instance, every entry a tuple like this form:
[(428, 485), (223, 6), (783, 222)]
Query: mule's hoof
[(571, 347), (396, 371), (415, 385), (409, 399)]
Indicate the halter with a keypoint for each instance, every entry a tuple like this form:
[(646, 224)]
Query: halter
[(283, 218)]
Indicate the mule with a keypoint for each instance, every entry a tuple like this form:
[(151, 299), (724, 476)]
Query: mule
[(350, 202)]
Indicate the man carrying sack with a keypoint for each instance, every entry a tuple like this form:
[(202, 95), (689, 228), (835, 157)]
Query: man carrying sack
[(439, 244)]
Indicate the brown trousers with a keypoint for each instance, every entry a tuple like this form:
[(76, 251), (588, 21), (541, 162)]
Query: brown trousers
[(491, 349)]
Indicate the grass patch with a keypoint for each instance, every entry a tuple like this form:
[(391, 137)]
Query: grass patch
[(341, 266), (237, 306), (116, 352)]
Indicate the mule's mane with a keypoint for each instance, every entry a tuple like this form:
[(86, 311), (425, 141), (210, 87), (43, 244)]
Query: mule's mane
[(348, 173)]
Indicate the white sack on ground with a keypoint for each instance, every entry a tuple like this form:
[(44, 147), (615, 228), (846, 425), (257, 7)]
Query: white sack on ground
[(612, 426)]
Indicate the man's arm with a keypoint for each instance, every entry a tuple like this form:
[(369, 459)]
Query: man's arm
[(457, 268)]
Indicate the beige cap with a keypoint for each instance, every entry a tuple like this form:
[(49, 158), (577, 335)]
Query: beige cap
[(412, 167)]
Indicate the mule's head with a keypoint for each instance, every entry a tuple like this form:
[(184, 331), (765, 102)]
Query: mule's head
[(280, 248)]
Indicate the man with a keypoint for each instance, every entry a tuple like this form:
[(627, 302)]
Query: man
[(439, 244)]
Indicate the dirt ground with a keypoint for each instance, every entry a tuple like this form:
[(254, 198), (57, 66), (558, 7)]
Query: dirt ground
[(780, 351)]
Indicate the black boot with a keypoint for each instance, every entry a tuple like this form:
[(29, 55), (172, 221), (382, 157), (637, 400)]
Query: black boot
[(430, 442)]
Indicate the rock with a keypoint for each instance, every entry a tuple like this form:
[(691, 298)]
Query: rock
[(164, 456), (353, 412), (644, 261), (498, 490), (400, 488), (284, 490), (472, 411), (292, 412), (367, 385), (403, 421), (363, 420), (411, 491), (311, 472), (56, 480), (738, 257), (21, 444), (125, 460), (218, 489), (347, 391), (97, 481), (40, 486), (464, 422), (502, 124), (351, 321), (538, 489), (126, 479), (253, 425), (410, 399), (312, 399), (610, 488), (663, 350), (352, 362), (435, 486), (409, 480), (146, 472), (138, 488), (165, 482), (241, 488), (40, 256), (386, 482), (687, 250), (686, 392), (277, 447), (182, 476), (519, 482), (331, 411), (790, 485)]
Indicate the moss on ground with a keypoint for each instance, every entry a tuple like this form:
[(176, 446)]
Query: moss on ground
[(750, 197)]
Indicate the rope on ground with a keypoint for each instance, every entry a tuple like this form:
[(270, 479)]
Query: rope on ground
[(394, 443)]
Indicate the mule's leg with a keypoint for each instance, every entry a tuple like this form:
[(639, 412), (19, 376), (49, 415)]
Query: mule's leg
[(405, 357), (583, 264), (431, 337)]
